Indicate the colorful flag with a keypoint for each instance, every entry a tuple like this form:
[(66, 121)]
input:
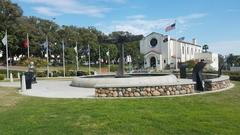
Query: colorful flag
[(4, 40), (170, 27), (25, 43)]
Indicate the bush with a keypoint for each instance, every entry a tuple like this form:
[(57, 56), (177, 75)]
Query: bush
[(114, 68), (38, 62), (190, 64), (41, 74), (2, 77), (235, 77)]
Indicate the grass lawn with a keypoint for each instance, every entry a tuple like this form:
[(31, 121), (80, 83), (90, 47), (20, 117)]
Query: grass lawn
[(217, 113)]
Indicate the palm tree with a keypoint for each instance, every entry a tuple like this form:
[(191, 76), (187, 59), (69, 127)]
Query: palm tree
[(205, 48)]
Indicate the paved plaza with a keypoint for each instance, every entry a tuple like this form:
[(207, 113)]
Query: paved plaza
[(54, 89)]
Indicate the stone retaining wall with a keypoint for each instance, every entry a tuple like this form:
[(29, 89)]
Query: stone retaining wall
[(216, 85), (186, 87), (145, 91)]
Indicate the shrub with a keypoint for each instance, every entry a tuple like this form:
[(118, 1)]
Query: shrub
[(41, 74), (190, 64), (38, 62), (114, 68), (2, 77)]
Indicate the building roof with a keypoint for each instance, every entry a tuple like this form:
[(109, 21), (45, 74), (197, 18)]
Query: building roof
[(185, 42), (152, 51), (173, 39)]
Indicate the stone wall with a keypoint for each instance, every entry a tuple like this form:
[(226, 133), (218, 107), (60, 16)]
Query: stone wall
[(165, 90), (216, 85)]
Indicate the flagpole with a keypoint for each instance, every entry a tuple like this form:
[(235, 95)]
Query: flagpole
[(99, 59), (109, 61), (63, 49), (176, 45), (47, 57), (7, 57), (89, 64), (77, 56), (28, 44)]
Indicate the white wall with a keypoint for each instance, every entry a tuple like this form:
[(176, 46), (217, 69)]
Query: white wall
[(210, 57)]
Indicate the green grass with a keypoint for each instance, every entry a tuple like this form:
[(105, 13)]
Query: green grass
[(216, 113)]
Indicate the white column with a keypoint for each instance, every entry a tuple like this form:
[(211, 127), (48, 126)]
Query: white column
[(161, 62), (23, 84), (11, 77), (18, 75)]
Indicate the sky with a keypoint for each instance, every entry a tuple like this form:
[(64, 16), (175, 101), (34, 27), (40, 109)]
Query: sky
[(212, 22)]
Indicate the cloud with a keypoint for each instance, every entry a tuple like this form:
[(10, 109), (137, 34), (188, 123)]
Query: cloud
[(59, 7), (184, 19), (46, 11), (225, 47), (140, 24), (136, 17)]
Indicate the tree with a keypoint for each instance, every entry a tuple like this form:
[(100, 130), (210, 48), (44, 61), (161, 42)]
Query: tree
[(230, 59), (205, 48)]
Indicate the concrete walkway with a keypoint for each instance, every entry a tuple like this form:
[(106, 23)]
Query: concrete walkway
[(54, 89)]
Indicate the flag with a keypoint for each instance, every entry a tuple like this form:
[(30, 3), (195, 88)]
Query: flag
[(4, 40), (165, 40), (107, 53), (76, 50), (170, 27), (181, 39), (45, 45), (25, 43)]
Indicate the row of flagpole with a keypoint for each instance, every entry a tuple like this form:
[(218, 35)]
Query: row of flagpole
[(5, 43)]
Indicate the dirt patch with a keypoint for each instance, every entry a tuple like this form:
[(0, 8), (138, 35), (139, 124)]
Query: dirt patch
[(8, 98)]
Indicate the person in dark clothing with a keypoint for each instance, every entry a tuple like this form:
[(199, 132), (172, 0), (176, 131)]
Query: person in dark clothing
[(197, 75)]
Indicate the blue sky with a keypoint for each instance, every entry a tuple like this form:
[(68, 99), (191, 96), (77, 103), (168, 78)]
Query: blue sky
[(212, 22)]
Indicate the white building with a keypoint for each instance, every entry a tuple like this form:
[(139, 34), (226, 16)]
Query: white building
[(162, 51)]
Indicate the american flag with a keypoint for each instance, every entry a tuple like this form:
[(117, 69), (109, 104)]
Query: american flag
[(170, 27)]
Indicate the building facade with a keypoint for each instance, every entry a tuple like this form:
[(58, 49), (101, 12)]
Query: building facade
[(163, 52), (211, 58)]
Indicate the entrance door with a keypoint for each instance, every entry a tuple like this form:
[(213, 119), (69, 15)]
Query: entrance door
[(153, 62)]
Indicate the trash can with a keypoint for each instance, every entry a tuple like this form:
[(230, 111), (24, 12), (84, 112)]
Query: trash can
[(29, 78), (183, 72)]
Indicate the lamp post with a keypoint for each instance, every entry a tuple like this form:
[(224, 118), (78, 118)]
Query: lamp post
[(120, 39), (99, 59), (63, 51)]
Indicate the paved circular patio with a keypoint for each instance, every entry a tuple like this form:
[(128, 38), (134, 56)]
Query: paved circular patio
[(62, 89)]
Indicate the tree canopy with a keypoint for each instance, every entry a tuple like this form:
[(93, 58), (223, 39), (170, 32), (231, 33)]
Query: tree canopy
[(18, 26)]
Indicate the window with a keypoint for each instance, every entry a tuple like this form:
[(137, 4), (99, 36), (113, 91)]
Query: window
[(153, 42), (183, 49), (187, 50), (192, 51)]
